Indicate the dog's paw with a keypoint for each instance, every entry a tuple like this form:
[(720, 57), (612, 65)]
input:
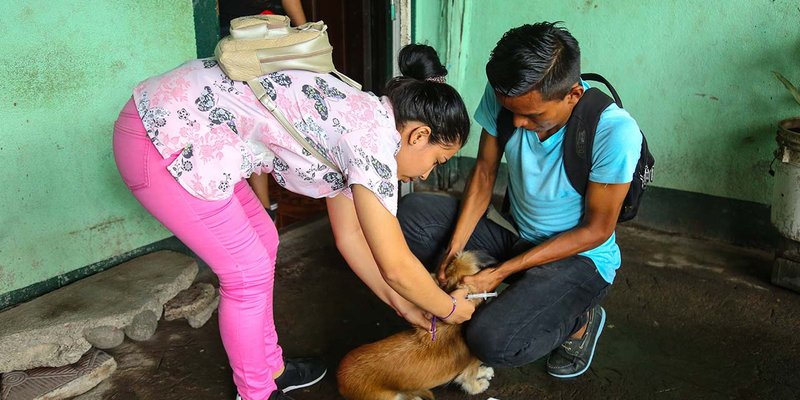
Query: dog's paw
[(485, 372), (475, 386), (475, 379)]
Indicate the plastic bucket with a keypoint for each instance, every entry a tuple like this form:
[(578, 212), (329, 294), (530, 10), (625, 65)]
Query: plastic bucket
[(785, 215)]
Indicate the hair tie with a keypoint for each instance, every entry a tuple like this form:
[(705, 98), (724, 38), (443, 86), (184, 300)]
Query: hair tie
[(438, 78)]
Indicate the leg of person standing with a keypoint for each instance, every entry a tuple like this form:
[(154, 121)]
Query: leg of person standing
[(241, 253), (268, 234)]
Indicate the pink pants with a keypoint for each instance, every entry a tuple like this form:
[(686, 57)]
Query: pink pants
[(235, 237)]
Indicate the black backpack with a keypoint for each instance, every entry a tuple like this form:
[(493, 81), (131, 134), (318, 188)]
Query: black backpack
[(578, 143)]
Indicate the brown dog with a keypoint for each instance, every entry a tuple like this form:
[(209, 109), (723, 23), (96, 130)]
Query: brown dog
[(405, 366)]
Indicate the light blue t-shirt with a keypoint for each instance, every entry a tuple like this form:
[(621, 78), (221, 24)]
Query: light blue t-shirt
[(543, 202)]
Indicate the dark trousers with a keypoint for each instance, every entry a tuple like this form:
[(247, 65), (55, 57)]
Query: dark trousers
[(539, 309)]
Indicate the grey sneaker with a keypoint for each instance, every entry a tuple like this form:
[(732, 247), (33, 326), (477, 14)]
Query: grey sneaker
[(574, 356)]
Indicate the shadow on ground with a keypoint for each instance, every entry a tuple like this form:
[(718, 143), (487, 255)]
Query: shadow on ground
[(687, 319)]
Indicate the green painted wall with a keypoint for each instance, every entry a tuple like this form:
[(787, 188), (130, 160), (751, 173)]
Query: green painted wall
[(695, 74), (428, 26), (66, 71)]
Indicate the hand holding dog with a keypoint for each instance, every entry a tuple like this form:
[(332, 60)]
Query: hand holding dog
[(411, 313), (441, 274), (485, 281)]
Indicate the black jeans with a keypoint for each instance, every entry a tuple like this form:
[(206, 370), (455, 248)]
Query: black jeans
[(539, 309)]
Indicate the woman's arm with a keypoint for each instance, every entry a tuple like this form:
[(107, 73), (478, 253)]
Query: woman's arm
[(260, 185), (294, 9), (351, 243), (398, 266)]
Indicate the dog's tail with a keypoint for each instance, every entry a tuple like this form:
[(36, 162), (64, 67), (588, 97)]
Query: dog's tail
[(423, 394)]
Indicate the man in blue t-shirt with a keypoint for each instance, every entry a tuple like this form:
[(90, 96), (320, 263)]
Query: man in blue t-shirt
[(558, 253)]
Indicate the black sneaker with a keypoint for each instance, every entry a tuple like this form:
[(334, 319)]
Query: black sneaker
[(299, 373), (276, 395), (574, 356)]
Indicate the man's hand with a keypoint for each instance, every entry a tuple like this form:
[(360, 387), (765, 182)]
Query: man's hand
[(441, 274), (485, 281)]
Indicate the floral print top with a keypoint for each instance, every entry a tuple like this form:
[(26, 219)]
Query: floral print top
[(221, 133)]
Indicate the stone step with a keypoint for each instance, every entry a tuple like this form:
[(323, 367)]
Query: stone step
[(195, 304), (52, 330)]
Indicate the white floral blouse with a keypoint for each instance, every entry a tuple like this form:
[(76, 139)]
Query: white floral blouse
[(224, 134)]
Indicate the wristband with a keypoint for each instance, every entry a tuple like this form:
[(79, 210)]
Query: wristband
[(434, 318), (451, 311)]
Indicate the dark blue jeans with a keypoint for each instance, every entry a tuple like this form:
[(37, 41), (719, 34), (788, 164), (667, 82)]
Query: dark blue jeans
[(539, 309)]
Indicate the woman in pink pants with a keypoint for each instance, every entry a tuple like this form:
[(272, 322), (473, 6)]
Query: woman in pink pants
[(188, 139)]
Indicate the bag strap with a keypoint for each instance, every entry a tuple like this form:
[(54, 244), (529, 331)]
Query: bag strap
[(270, 105), (505, 129), (589, 76), (346, 79), (579, 137)]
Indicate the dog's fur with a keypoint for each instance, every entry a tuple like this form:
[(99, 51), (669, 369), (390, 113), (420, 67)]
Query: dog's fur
[(405, 366)]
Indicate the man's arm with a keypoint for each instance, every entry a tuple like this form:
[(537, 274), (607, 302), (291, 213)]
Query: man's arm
[(603, 204), (477, 196)]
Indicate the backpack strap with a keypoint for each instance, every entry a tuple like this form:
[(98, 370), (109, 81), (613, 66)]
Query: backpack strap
[(346, 79), (579, 137), (505, 129), (270, 105), (589, 76)]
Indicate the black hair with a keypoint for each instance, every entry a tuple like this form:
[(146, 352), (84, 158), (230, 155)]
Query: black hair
[(542, 56), (421, 95)]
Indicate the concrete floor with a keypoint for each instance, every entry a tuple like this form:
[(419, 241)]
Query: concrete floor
[(687, 319)]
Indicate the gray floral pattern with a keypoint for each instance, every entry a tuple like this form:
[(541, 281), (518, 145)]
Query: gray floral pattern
[(335, 179), (152, 118)]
